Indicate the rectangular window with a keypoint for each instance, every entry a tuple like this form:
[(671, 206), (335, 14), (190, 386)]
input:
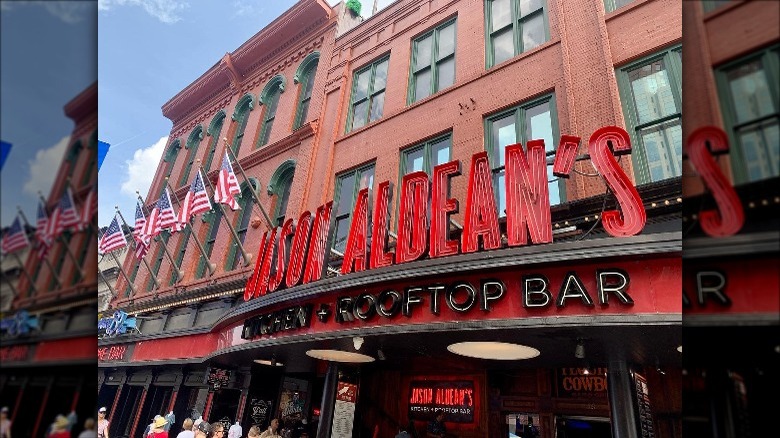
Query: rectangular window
[(66, 237), (185, 239), (748, 90), (368, 94), (433, 62), (128, 289), (650, 91), (348, 185), (514, 27), (426, 156), (535, 120), (611, 5)]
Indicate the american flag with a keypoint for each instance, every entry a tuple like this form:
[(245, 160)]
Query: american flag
[(15, 238), (196, 201), (42, 230), (140, 221), (227, 185), (113, 238), (88, 210), (141, 249), (68, 216), (150, 229), (167, 217)]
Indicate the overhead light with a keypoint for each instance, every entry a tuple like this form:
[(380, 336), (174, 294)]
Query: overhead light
[(679, 348), (381, 355), (357, 341), (340, 356), (273, 362), (493, 350), (579, 350)]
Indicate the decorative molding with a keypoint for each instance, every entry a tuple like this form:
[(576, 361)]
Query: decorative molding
[(277, 81), (310, 59), (283, 168)]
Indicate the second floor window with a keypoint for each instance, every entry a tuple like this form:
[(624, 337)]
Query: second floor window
[(193, 143), (347, 187), (368, 94), (241, 117), (269, 98), (215, 130), (426, 156), (650, 91), (433, 62), (515, 26), (214, 219)]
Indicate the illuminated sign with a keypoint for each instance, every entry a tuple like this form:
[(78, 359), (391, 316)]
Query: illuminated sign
[(15, 353), (19, 324), (119, 323), (218, 377), (426, 196), (270, 323), (582, 382), (455, 398), (113, 353)]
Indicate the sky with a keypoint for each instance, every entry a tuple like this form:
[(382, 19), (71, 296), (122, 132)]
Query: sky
[(47, 57), (148, 51)]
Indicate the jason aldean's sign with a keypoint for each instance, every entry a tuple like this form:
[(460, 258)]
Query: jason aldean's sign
[(426, 196)]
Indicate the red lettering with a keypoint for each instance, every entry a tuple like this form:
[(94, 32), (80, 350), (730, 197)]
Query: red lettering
[(413, 214), (481, 215), (565, 155), (287, 229), (380, 257), (298, 252), (265, 269), (318, 244), (358, 234), (250, 290), (728, 219), (601, 154), (527, 194), (441, 207)]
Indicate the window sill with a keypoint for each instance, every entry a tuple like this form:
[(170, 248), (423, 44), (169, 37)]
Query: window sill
[(624, 9)]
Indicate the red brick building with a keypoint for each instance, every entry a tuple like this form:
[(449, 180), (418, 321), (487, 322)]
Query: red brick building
[(320, 105)]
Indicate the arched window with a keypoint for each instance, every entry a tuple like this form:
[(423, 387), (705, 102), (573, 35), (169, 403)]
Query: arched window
[(193, 143), (67, 235), (164, 236), (305, 77), (214, 218), (73, 156), (242, 225), (170, 161), (241, 116), (279, 185), (215, 129), (269, 98), (183, 241)]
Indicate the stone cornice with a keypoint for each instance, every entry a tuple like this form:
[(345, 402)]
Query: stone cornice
[(83, 105)]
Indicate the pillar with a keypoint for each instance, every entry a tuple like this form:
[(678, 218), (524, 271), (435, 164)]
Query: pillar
[(43, 406), (207, 408), (140, 406), (621, 393), (328, 401)]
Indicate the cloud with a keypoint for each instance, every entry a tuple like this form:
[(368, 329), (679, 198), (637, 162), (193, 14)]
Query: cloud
[(43, 168), (70, 12), (166, 11), (248, 8), (141, 168)]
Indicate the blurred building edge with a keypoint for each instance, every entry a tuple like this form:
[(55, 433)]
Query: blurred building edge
[(11, 272), (108, 267), (731, 284), (48, 337)]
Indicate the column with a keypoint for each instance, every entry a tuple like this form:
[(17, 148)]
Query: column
[(207, 408), (329, 400), (140, 406), (620, 390), (43, 406)]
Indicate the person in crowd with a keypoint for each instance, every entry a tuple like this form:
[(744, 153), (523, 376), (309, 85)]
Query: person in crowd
[(436, 428), (5, 423), (272, 431), (60, 428), (102, 423), (254, 432), (89, 429), (217, 430), (203, 429), (149, 427), (158, 428), (186, 429)]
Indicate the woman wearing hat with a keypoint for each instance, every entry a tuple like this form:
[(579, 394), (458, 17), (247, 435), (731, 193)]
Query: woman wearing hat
[(102, 423), (158, 428), (59, 429), (5, 423)]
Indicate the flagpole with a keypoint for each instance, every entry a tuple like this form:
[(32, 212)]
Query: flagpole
[(212, 266), (179, 272), (45, 258), (10, 283), (143, 259), (62, 241), (247, 257), (246, 179)]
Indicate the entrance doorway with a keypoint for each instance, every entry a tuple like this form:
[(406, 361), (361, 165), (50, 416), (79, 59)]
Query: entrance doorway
[(582, 427)]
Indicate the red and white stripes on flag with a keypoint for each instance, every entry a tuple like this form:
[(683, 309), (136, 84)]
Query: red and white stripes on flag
[(68, 216), (166, 216), (140, 221), (113, 238), (227, 185), (42, 231), (88, 210), (15, 238), (195, 202), (150, 228)]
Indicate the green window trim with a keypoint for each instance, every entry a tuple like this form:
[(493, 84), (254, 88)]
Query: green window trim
[(519, 23), (193, 144), (214, 131), (170, 161), (73, 156), (711, 5), (305, 76), (129, 289), (769, 60), (666, 124), (92, 167), (343, 212), (214, 218), (427, 152), (180, 251), (164, 236), (244, 215), (81, 258), (66, 237), (519, 119), (280, 185), (241, 117), (269, 99), (433, 65), (373, 96)]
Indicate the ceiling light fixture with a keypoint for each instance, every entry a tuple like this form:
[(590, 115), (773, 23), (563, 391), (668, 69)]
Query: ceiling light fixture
[(493, 350), (679, 348), (273, 362), (340, 356), (579, 350), (357, 341)]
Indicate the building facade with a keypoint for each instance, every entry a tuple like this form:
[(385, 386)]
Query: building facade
[(48, 339), (442, 175)]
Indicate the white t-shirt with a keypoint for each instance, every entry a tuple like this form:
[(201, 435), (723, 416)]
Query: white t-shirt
[(186, 434)]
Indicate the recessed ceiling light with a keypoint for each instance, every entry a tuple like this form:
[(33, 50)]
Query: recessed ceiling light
[(679, 348), (268, 362), (494, 350), (340, 356)]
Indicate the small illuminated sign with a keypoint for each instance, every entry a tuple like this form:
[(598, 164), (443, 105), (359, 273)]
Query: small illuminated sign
[(456, 399)]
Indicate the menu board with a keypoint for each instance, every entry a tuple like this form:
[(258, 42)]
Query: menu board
[(259, 411), (455, 398), (645, 416), (218, 377), (344, 410)]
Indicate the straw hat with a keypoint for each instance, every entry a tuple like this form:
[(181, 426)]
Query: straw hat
[(61, 422), (159, 422)]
